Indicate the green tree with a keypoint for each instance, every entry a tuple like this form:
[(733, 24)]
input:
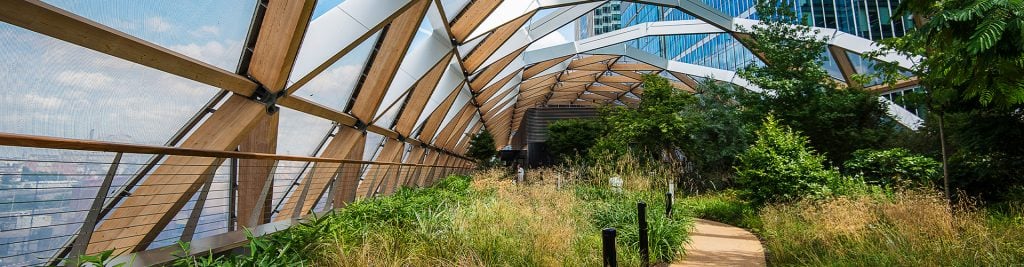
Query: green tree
[(970, 56), (722, 133), (574, 137), (895, 167), (797, 89), (655, 127), (780, 167), (968, 50), (482, 149)]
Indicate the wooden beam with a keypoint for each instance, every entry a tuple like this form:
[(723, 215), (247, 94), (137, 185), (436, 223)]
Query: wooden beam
[(633, 67), (490, 91), (385, 62), (415, 156), (487, 47), (312, 108), (542, 66), (616, 79), (844, 64), (393, 173), (446, 131), (685, 79), (350, 173), (471, 17), (421, 92), (589, 60), (748, 41), (48, 20), (429, 126), (884, 88), (488, 73)]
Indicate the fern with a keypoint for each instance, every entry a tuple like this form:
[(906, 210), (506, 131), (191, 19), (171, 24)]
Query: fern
[(988, 33)]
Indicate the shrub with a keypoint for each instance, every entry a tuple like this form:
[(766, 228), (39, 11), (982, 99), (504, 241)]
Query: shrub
[(574, 137), (724, 207), (780, 167), (892, 168)]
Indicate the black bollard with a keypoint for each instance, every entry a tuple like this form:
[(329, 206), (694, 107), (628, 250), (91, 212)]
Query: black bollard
[(645, 254), (608, 240), (668, 205)]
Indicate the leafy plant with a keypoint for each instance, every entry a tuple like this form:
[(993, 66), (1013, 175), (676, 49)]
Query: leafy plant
[(895, 167), (780, 167), (655, 127), (574, 137), (482, 148), (101, 258)]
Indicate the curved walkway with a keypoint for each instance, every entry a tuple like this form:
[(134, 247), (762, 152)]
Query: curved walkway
[(718, 244)]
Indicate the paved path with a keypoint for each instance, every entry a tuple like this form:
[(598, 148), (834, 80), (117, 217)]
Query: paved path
[(717, 244)]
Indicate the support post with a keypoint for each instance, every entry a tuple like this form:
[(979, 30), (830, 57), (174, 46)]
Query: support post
[(608, 247), (197, 209), (668, 205), (297, 213), (645, 254), (257, 211), (82, 241), (232, 194)]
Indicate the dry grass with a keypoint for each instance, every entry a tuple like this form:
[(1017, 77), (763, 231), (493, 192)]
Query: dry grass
[(911, 228)]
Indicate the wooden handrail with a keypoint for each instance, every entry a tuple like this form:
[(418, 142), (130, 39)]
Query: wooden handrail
[(22, 140)]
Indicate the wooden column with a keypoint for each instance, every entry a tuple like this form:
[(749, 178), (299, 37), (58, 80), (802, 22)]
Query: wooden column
[(350, 174), (252, 173)]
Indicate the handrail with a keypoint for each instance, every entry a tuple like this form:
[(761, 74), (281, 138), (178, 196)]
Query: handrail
[(22, 140)]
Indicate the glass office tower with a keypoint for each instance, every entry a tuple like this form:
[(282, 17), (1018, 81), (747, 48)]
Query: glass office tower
[(870, 19)]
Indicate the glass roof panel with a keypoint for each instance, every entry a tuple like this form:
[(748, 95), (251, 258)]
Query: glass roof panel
[(334, 86), (211, 31), (63, 90)]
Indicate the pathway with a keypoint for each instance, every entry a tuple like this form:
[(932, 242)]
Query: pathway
[(718, 244)]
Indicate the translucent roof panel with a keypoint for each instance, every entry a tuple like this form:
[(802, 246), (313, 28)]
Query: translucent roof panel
[(211, 31), (300, 133), (62, 90), (831, 66), (334, 86), (866, 66), (323, 5)]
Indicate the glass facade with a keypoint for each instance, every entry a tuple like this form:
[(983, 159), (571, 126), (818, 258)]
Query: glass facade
[(869, 19)]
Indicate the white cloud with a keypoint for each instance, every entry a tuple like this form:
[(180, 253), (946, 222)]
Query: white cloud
[(47, 102), (224, 55), (158, 24), (206, 31), (92, 80)]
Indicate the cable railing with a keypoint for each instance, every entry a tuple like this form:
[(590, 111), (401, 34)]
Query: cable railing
[(52, 209)]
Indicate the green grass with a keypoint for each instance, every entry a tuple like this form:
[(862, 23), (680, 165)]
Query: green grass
[(666, 235), (724, 207), (483, 221)]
